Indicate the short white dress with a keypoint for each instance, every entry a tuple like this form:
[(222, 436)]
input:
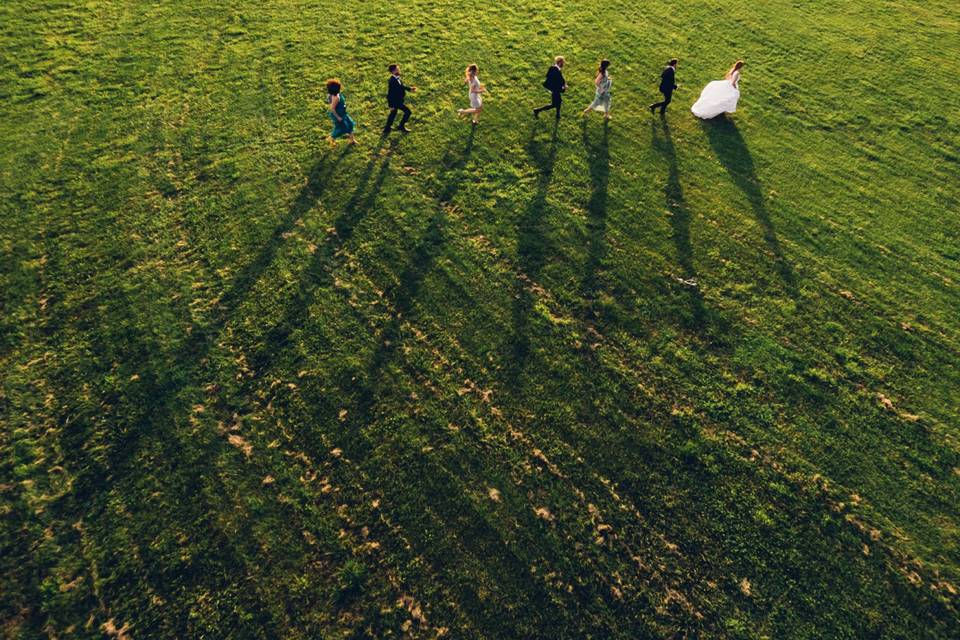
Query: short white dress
[(476, 99)]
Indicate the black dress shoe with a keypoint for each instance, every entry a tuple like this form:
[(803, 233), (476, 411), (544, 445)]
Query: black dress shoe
[(536, 114), (653, 108)]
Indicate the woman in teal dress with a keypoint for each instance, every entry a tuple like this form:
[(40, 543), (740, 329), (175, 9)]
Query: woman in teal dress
[(343, 124)]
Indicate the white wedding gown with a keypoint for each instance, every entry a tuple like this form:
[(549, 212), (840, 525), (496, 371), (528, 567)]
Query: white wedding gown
[(719, 96)]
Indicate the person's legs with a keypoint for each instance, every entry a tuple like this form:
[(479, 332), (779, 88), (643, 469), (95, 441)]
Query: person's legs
[(406, 116), (390, 119), (556, 102), (667, 97)]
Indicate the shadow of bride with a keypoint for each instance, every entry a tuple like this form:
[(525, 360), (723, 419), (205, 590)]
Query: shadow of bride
[(734, 155), (662, 142)]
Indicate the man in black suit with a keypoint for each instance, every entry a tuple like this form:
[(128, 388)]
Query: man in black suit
[(556, 85), (396, 92), (668, 85)]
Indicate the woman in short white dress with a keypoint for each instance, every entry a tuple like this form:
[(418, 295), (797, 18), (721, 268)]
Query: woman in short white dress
[(476, 90), (719, 96), (601, 99)]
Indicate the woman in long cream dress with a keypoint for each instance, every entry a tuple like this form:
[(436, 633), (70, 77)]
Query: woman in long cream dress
[(601, 98)]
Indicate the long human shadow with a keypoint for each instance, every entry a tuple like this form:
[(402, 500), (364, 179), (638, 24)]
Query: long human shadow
[(532, 245), (404, 293), (310, 194), (157, 397), (145, 420), (598, 160), (662, 141), (733, 153), (422, 476), (321, 267), (187, 361), (150, 411)]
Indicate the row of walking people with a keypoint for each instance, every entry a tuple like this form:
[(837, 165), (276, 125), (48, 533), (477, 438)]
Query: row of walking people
[(718, 97)]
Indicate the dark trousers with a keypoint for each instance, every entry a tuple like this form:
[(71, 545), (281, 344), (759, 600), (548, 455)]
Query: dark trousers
[(556, 100), (667, 97), (393, 116)]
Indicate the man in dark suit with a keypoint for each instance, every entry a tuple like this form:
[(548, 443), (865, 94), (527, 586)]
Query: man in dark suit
[(556, 85), (396, 93), (668, 85)]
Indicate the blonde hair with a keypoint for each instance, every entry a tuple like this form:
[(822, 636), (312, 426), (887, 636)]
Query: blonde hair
[(559, 59), (736, 67), (471, 69)]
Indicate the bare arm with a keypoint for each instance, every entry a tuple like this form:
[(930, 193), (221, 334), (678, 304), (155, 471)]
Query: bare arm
[(334, 101)]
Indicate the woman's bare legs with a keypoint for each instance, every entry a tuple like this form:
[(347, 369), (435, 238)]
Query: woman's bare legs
[(475, 112)]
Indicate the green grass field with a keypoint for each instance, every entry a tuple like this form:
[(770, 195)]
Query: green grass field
[(662, 379)]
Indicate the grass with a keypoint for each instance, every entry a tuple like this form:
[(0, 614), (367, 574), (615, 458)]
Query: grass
[(657, 379)]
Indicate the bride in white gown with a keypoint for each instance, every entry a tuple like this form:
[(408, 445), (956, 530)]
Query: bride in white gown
[(719, 96)]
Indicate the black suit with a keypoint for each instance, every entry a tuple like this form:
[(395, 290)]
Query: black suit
[(396, 93), (556, 85), (667, 86)]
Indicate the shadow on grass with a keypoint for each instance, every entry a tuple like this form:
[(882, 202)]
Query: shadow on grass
[(152, 412), (404, 293), (426, 493), (308, 197), (161, 390), (146, 436), (662, 142), (320, 269), (532, 245), (734, 155), (598, 160)]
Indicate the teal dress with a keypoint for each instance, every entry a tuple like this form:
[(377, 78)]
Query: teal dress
[(341, 127)]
